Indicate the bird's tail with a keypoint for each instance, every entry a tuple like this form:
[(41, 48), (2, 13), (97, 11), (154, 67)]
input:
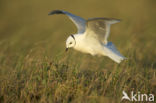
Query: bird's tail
[(115, 57), (113, 53)]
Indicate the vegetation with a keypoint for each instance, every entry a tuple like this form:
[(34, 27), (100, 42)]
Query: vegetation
[(34, 67)]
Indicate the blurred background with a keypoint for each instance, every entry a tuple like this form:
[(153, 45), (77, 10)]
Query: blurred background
[(25, 25), (29, 36)]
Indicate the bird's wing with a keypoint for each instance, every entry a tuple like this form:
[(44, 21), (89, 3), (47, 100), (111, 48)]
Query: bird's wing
[(78, 21), (99, 28)]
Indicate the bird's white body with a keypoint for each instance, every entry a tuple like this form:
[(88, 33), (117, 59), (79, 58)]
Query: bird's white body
[(86, 45), (94, 47), (92, 36)]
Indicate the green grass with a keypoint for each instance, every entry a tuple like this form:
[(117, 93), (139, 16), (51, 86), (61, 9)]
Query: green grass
[(35, 68)]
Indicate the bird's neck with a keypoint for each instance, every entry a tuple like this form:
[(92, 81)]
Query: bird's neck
[(78, 39)]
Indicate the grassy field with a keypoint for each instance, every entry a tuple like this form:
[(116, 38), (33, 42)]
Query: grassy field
[(34, 67)]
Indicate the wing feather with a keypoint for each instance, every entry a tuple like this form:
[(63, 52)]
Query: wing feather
[(78, 21), (100, 28)]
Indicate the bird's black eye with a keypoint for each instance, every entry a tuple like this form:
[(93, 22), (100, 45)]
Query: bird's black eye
[(70, 43)]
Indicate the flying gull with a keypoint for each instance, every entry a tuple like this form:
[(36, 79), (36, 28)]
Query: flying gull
[(92, 36)]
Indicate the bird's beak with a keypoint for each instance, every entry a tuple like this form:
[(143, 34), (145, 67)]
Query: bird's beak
[(66, 49)]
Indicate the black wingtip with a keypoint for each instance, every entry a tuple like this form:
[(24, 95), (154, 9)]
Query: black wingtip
[(56, 12)]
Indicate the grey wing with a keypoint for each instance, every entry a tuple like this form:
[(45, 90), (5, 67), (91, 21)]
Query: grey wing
[(78, 21), (99, 28)]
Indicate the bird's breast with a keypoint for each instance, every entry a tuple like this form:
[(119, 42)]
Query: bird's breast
[(85, 48)]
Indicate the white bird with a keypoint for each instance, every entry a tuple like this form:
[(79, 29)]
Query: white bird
[(92, 36)]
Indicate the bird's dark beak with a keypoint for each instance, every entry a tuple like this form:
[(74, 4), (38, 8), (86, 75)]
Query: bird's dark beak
[(66, 49)]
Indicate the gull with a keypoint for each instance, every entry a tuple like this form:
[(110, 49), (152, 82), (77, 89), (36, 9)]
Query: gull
[(92, 36)]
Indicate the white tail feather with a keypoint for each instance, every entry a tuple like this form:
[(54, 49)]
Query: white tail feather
[(115, 57), (113, 53)]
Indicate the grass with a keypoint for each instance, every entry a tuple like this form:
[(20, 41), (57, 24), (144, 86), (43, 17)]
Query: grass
[(35, 69)]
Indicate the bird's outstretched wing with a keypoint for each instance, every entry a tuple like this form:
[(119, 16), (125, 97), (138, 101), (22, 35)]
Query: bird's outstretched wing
[(78, 21), (99, 28)]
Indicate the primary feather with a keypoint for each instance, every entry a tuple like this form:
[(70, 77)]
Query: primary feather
[(78, 21)]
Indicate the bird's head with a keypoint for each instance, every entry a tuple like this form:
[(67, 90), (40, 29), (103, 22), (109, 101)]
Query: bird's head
[(70, 42)]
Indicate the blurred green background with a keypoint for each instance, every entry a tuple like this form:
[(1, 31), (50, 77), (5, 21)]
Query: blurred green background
[(30, 41)]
